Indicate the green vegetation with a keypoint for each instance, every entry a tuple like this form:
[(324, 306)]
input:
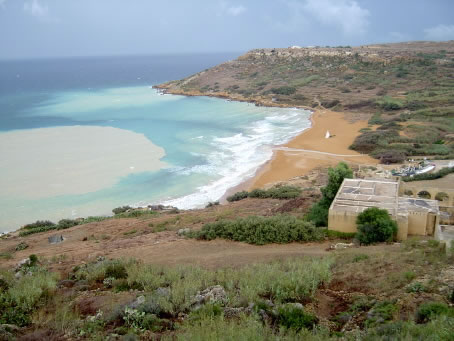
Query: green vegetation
[(319, 211), (271, 301), (293, 317), (375, 225), (261, 230), (284, 90), (277, 192), (238, 196), (44, 226), (429, 176), (431, 310), (121, 209), (39, 223), (332, 234), (21, 295)]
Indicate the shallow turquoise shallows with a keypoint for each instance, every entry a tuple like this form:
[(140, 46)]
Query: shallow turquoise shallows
[(210, 146)]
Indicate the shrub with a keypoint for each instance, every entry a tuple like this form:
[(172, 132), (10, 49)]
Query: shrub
[(416, 287), (23, 295), (381, 312), (388, 103), (390, 156), (283, 192), (21, 246), (238, 196), (292, 317), (37, 230), (430, 310), (284, 90), (318, 214), (277, 192), (332, 234), (67, 223), (261, 230), (39, 223), (319, 211), (121, 209), (370, 140), (375, 225), (116, 270), (211, 204), (430, 176)]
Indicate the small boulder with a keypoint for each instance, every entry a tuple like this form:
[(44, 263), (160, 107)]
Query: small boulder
[(182, 232), (55, 239), (214, 294)]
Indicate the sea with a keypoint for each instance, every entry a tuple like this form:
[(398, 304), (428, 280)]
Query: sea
[(81, 136)]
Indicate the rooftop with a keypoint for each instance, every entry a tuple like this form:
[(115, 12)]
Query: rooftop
[(356, 195)]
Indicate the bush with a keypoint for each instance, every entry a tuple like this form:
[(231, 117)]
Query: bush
[(370, 140), (261, 230), (388, 103), (116, 270), (67, 223), (25, 294), (121, 209), (238, 196), (375, 225), (429, 311), (277, 192), (21, 246), (292, 317), (284, 90), (390, 156), (39, 223), (319, 211), (381, 312), (430, 176)]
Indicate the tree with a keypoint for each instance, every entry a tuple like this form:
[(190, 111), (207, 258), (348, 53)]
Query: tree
[(375, 225), (319, 211)]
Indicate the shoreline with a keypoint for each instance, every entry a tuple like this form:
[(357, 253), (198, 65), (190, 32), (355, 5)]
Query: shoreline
[(294, 162), (305, 152)]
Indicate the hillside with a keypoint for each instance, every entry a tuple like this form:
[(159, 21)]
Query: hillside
[(405, 89)]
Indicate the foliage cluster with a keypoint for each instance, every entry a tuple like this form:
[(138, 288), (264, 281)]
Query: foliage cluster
[(284, 90), (20, 296), (277, 192), (375, 225), (429, 176), (121, 209), (319, 211), (261, 230)]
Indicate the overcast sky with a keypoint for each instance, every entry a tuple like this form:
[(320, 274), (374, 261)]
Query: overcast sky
[(43, 28)]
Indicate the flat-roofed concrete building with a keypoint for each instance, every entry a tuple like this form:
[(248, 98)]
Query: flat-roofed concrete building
[(414, 216)]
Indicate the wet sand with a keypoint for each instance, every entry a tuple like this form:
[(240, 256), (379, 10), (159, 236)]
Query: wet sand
[(287, 164)]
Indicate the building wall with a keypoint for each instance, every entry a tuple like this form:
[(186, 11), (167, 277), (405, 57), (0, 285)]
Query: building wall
[(417, 223), (415, 189), (402, 227), (342, 221)]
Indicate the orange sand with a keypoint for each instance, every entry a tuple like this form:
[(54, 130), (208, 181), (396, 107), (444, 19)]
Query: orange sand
[(289, 164)]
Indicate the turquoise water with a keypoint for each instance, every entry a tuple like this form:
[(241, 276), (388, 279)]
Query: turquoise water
[(210, 146)]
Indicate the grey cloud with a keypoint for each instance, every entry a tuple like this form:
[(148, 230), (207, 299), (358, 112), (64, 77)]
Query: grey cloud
[(440, 32)]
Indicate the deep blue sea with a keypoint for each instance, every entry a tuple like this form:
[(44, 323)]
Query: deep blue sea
[(180, 151)]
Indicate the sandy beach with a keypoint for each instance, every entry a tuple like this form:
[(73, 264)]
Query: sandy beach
[(311, 149)]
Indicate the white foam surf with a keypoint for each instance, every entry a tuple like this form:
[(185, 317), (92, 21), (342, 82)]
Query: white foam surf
[(237, 158)]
